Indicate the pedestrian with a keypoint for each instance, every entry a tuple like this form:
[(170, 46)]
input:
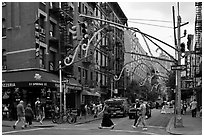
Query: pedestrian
[(29, 114), (142, 116), (184, 107), (37, 109), (137, 105), (20, 115), (85, 111), (193, 106), (106, 121), (42, 113)]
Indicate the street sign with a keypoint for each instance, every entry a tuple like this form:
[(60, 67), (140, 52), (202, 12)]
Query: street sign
[(178, 67)]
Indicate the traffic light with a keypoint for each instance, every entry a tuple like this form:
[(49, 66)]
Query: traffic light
[(85, 35), (73, 30), (84, 28), (68, 60), (182, 45), (189, 42)]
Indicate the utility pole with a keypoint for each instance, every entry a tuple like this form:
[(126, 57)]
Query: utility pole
[(178, 119), (60, 79)]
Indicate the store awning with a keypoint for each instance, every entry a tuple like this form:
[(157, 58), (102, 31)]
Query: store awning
[(87, 93), (92, 92), (29, 78), (97, 94)]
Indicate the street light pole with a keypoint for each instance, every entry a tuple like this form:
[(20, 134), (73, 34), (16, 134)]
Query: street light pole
[(60, 79), (178, 119)]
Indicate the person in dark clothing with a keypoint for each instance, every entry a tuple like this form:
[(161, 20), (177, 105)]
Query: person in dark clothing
[(137, 105), (106, 121), (29, 115)]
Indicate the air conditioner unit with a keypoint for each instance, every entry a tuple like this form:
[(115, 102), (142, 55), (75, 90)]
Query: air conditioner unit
[(4, 67), (42, 31)]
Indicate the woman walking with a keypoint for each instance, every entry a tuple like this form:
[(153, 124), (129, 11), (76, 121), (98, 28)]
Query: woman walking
[(106, 121), (29, 115)]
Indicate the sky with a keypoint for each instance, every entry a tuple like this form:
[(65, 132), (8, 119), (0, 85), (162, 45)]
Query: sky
[(140, 14)]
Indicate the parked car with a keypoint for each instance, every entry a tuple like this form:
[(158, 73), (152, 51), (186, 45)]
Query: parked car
[(117, 106)]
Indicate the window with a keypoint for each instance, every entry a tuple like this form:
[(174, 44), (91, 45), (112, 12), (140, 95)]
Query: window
[(91, 76), (79, 72), (86, 75), (52, 29), (42, 57), (52, 61), (86, 10), (42, 21), (3, 59), (79, 7), (3, 27)]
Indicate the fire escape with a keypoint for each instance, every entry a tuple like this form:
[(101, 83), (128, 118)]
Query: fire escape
[(64, 15)]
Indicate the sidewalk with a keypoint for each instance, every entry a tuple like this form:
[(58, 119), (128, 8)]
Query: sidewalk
[(191, 126), (49, 123)]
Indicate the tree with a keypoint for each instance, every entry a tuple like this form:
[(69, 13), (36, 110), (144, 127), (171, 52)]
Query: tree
[(133, 91)]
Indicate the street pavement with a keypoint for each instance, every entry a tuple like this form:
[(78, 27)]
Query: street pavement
[(158, 121), (191, 126), (7, 125)]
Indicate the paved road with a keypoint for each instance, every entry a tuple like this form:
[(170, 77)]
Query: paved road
[(156, 125)]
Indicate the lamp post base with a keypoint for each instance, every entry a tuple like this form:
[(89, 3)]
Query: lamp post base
[(178, 122)]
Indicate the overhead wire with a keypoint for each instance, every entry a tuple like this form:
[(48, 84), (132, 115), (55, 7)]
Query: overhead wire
[(151, 24)]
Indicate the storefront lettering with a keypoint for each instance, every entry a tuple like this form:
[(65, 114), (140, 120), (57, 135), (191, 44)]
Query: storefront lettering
[(8, 84), (37, 84)]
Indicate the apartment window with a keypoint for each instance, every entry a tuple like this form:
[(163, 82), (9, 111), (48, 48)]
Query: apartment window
[(3, 59), (79, 72), (79, 7), (97, 57), (86, 74), (42, 21), (3, 27), (42, 57), (86, 10), (52, 29), (52, 61), (91, 76), (96, 76)]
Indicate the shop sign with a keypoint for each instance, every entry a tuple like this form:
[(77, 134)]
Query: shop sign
[(37, 84), (8, 84)]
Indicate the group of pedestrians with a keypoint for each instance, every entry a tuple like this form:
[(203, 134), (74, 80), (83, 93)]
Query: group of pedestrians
[(26, 114), (91, 109), (140, 115)]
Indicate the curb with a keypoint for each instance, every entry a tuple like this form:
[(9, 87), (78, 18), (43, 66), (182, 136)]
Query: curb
[(170, 127), (51, 125)]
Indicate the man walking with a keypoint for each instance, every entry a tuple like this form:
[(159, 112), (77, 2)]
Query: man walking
[(20, 115), (193, 106), (142, 116)]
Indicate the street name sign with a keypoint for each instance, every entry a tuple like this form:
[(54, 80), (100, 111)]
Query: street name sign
[(179, 67)]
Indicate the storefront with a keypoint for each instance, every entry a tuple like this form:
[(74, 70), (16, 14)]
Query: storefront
[(28, 86), (90, 96)]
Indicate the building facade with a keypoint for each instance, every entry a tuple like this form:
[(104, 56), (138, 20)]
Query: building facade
[(37, 35)]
